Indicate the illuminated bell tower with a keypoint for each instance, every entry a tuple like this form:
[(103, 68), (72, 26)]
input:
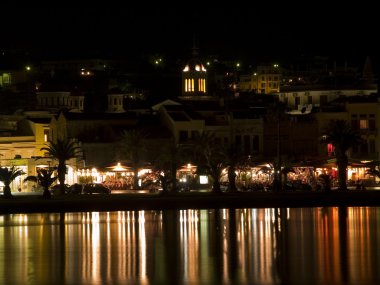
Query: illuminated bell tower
[(194, 83)]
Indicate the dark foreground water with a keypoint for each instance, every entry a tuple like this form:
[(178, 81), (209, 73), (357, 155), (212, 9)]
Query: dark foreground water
[(225, 246)]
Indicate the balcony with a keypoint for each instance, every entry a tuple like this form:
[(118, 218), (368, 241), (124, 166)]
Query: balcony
[(365, 155), (368, 131)]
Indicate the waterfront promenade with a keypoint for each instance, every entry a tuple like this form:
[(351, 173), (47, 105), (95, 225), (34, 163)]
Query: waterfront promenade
[(32, 203)]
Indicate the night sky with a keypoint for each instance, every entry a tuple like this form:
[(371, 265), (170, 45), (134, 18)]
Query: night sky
[(259, 30)]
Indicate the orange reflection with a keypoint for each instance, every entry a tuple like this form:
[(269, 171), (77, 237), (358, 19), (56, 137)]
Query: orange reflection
[(215, 246)]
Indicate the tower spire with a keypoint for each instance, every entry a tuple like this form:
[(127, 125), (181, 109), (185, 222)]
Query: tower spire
[(368, 71), (195, 49)]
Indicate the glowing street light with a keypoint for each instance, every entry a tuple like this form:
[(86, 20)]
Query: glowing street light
[(158, 61)]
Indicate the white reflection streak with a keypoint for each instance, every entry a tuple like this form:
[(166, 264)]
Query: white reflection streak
[(121, 257), (268, 248), (23, 219), (256, 247), (142, 244), (194, 253), (95, 269), (183, 243), (225, 244), (109, 246), (189, 243), (131, 237), (86, 241), (24, 241), (239, 235), (204, 248)]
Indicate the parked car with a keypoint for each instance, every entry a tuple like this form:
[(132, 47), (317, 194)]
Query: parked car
[(96, 188), (55, 189), (75, 189)]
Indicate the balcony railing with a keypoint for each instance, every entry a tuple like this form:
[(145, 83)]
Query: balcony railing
[(365, 155), (368, 131)]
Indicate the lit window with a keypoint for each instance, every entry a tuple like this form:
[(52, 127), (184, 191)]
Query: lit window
[(46, 135), (197, 68), (203, 179), (330, 149), (363, 124)]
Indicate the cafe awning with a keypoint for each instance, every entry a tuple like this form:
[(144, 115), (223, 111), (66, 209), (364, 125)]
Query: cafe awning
[(118, 167)]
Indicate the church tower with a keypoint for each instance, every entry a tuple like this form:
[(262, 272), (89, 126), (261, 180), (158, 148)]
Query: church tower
[(194, 79)]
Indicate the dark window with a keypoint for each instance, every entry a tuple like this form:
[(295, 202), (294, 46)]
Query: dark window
[(255, 144), (323, 100), (247, 144), (183, 136), (355, 124), (371, 144), (238, 141), (297, 101), (372, 124), (364, 147)]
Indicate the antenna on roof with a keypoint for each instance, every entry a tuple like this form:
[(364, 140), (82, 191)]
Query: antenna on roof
[(195, 47)]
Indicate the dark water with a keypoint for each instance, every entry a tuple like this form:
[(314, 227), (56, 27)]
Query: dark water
[(243, 246)]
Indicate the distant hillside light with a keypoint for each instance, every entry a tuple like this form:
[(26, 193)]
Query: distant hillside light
[(238, 64), (28, 68), (85, 72), (275, 65)]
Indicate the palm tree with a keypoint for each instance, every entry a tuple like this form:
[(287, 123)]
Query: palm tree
[(276, 115), (233, 156), (374, 168), (45, 179), (134, 148), (167, 163), (342, 137), (210, 155), (62, 151), (325, 181), (284, 172), (7, 176)]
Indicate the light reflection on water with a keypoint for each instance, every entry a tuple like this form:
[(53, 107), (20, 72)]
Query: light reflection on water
[(226, 246)]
